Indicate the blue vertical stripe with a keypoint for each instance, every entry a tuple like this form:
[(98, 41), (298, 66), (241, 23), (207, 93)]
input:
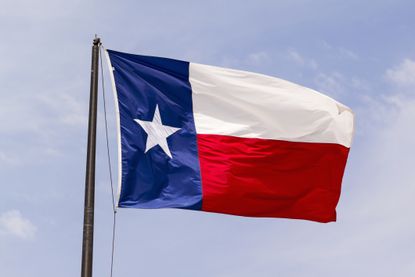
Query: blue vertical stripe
[(152, 179)]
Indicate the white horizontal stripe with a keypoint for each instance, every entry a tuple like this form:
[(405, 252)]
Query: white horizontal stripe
[(244, 104)]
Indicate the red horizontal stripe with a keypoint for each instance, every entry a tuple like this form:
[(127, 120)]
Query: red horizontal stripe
[(271, 178)]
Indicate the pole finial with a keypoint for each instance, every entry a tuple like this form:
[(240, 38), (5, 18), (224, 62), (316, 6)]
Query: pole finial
[(97, 40)]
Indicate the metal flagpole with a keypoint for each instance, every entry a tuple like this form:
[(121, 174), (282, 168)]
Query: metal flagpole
[(88, 233)]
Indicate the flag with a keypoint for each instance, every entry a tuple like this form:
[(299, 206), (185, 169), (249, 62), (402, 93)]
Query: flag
[(201, 137)]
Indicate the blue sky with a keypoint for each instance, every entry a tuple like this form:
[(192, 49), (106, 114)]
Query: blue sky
[(362, 53)]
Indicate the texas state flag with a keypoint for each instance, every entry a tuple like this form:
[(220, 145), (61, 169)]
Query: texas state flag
[(207, 138)]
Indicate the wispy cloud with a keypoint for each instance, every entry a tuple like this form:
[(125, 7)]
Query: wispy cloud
[(297, 58), (14, 223), (258, 58), (402, 74), (331, 83), (7, 159), (339, 52)]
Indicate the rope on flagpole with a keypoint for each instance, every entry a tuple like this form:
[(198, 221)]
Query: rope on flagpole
[(114, 219)]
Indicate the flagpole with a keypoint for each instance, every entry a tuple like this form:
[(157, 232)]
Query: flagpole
[(88, 229)]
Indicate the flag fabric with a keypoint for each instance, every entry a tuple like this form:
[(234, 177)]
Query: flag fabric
[(207, 138)]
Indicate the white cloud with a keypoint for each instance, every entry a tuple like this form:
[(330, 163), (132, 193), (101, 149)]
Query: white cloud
[(258, 58), (348, 54), (297, 58), (13, 223), (330, 83), (68, 109), (403, 74), (339, 52), (7, 159)]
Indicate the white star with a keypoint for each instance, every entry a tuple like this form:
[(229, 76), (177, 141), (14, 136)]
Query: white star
[(157, 133)]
